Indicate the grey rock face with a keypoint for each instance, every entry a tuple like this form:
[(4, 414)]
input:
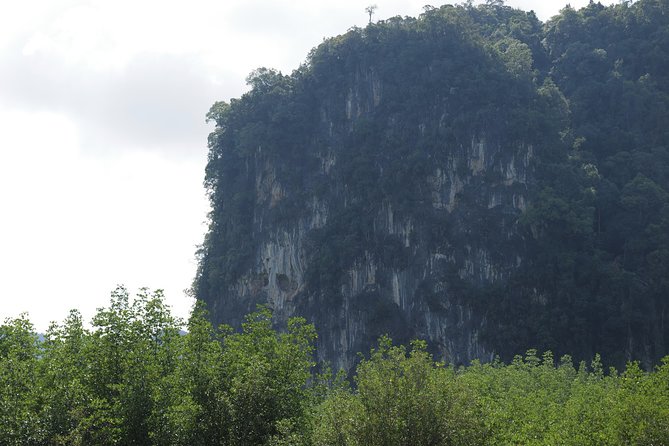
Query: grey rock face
[(405, 268)]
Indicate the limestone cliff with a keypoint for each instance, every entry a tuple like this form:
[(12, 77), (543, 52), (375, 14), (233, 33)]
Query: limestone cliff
[(422, 178), (382, 210)]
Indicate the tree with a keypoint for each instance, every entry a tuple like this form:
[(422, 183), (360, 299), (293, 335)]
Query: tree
[(19, 392), (199, 414), (370, 10), (402, 397), (265, 377), (133, 349), (63, 377)]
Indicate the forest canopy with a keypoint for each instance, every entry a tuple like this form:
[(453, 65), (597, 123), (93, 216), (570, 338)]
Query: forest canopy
[(133, 379)]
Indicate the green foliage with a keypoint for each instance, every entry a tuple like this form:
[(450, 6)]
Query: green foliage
[(19, 393), (134, 379), (64, 376), (402, 397), (258, 387), (265, 376), (195, 414), (405, 398)]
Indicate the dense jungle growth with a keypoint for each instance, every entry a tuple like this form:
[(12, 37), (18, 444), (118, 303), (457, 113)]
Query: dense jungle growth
[(473, 177), (133, 379)]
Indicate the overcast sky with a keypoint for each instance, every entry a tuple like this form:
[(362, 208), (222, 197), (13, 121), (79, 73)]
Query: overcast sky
[(103, 139)]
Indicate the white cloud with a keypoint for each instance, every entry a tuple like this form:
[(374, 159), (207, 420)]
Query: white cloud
[(74, 227), (156, 101)]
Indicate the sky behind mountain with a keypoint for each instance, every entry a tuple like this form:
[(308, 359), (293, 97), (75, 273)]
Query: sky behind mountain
[(103, 138)]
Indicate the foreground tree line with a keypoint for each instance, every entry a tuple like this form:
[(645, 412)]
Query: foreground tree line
[(134, 379)]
